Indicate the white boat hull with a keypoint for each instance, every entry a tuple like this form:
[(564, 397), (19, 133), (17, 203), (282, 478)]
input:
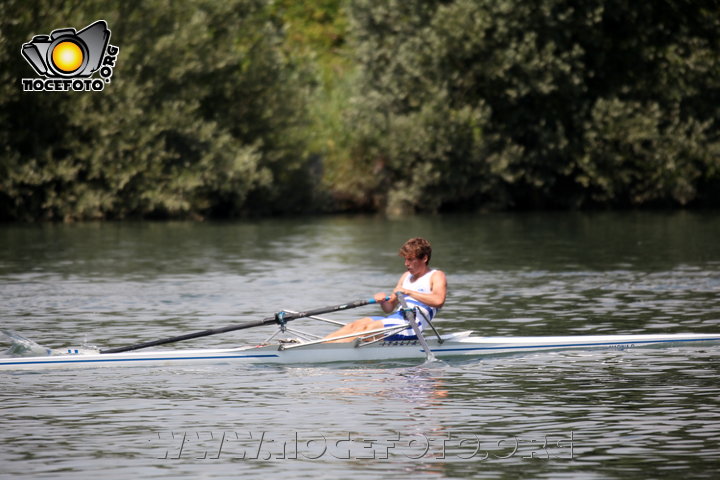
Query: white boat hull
[(454, 345)]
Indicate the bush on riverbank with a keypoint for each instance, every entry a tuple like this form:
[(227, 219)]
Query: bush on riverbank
[(222, 109), (204, 116), (508, 103)]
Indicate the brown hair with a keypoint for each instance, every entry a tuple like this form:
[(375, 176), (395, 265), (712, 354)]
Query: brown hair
[(416, 247)]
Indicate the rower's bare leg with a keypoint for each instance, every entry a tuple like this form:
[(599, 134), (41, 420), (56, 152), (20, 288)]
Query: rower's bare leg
[(358, 326)]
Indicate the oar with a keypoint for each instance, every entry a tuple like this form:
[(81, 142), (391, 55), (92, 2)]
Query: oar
[(409, 315), (279, 318)]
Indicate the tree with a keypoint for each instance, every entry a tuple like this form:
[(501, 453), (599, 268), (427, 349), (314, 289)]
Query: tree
[(544, 103), (202, 116)]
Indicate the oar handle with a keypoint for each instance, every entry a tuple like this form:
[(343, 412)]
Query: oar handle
[(280, 317)]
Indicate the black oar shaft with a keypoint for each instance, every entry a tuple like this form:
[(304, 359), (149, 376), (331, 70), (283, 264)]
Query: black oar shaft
[(278, 318), (188, 336)]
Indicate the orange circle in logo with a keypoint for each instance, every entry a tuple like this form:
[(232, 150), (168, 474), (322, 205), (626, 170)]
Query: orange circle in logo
[(67, 56)]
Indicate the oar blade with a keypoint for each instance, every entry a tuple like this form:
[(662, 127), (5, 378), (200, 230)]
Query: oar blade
[(24, 347)]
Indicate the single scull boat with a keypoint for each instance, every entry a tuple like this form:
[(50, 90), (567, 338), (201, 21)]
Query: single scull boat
[(376, 345), (461, 344)]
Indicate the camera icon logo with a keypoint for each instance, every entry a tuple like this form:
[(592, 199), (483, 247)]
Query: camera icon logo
[(68, 58), (68, 53)]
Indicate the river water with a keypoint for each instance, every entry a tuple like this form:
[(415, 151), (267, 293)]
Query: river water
[(637, 413)]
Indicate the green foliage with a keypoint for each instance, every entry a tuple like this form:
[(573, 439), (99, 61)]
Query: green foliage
[(638, 153), (220, 109), (204, 112), (316, 34), (548, 103)]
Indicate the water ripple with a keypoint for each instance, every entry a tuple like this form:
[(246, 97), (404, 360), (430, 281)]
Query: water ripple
[(645, 413)]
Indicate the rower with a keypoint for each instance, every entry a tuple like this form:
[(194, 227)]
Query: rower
[(425, 290)]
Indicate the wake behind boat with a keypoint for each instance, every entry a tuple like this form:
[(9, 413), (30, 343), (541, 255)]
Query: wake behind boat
[(373, 346)]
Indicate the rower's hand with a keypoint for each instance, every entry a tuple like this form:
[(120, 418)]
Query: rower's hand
[(387, 302), (401, 291), (381, 297)]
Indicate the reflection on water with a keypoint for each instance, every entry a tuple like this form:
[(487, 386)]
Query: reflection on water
[(601, 414)]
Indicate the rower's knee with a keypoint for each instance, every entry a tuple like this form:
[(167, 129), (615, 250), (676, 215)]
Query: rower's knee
[(356, 327), (362, 325)]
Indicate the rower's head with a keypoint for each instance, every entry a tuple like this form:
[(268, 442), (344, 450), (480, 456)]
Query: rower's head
[(416, 248)]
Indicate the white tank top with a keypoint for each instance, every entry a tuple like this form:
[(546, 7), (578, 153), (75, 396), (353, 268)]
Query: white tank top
[(421, 285)]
